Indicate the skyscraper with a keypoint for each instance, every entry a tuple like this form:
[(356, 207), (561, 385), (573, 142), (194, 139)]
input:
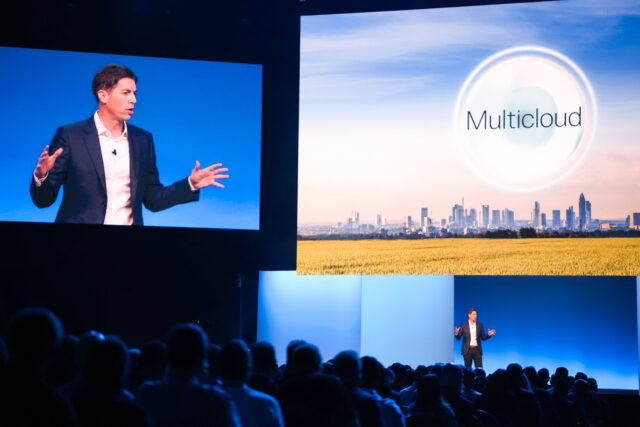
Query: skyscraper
[(355, 219), (495, 217), (472, 218), (535, 215), (582, 212), (556, 221), (508, 218), (485, 215), (571, 218), (543, 220), (424, 214), (588, 214), (408, 222), (378, 220), (458, 215)]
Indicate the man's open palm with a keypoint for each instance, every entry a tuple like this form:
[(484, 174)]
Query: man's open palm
[(46, 161)]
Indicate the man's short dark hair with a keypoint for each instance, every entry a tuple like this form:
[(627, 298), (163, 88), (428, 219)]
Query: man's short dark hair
[(109, 76), (471, 310), (186, 346)]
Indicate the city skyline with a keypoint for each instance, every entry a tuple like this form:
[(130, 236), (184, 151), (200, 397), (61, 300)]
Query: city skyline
[(376, 111), (518, 216)]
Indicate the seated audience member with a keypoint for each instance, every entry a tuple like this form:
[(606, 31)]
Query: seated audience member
[(26, 399), (565, 409), (402, 376), (264, 372), (481, 379), (254, 407), (408, 394), (348, 369), (429, 408), (529, 411), (153, 361), (543, 396), (312, 399), (497, 400), (451, 383), (385, 386), (468, 381), (101, 399), (85, 341), (543, 379), (63, 367), (181, 399), (372, 376), (211, 374), (589, 408)]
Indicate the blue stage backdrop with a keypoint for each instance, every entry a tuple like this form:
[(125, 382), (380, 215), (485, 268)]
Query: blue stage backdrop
[(586, 324), (403, 319), (196, 110)]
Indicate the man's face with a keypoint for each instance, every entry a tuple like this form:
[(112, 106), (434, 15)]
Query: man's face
[(120, 99), (473, 315)]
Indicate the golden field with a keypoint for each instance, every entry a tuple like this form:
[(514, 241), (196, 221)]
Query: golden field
[(613, 256)]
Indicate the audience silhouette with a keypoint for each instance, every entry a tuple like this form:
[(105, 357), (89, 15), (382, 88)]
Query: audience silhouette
[(47, 379)]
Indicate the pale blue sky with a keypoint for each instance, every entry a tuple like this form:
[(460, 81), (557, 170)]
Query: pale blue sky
[(377, 93)]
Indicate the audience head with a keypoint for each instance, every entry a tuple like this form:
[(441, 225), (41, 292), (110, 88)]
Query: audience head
[(468, 377), (581, 387), (291, 347), (593, 384), (33, 337), (451, 377), (543, 377), (562, 373), (372, 372), (514, 376), (235, 361), (107, 364), (435, 370), (213, 361), (153, 360), (64, 366), (186, 348), (305, 360), (85, 341), (530, 373), (348, 368), (263, 356), (581, 376), (328, 368), (429, 392)]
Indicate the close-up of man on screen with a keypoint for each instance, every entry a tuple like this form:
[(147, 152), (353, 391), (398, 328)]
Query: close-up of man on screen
[(108, 167)]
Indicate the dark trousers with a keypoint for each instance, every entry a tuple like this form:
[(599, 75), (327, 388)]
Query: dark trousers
[(473, 355)]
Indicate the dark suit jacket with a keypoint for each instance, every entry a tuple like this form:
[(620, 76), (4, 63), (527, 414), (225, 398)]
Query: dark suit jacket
[(80, 170), (465, 334)]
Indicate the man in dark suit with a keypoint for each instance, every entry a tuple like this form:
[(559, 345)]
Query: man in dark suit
[(472, 334), (108, 168)]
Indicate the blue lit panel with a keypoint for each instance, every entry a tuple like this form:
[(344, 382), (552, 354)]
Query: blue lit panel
[(407, 319), (324, 310), (586, 324)]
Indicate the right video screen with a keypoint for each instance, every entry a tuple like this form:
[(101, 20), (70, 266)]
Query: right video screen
[(479, 140)]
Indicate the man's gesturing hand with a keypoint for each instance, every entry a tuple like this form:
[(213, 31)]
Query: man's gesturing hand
[(201, 178), (46, 161)]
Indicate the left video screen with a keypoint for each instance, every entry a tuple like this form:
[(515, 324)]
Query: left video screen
[(150, 141)]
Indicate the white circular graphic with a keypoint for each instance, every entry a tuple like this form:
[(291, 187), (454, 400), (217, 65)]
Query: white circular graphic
[(525, 118)]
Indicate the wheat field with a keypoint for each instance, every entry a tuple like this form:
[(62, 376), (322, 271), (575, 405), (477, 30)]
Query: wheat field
[(611, 256)]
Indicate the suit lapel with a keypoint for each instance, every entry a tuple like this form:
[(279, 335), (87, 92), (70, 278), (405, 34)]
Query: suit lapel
[(134, 161), (92, 142)]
